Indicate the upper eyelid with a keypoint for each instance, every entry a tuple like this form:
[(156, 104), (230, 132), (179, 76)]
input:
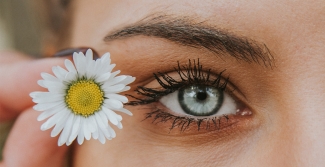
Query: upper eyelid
[(153, 94), (160, 114)]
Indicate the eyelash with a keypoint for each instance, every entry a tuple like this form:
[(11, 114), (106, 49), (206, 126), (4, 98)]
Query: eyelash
[(191, 74), (160, 116)]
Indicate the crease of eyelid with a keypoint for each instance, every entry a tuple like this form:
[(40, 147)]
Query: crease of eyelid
[(184, 31), (147, 80)]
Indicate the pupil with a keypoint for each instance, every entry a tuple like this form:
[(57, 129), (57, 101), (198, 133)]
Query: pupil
[(201, 96)]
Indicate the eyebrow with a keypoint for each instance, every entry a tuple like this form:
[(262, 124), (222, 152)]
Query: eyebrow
[(184, 32)]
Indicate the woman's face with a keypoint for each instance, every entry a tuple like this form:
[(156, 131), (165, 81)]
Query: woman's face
[(270, 113)]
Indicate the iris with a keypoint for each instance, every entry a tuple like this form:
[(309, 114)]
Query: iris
[(200, 100)]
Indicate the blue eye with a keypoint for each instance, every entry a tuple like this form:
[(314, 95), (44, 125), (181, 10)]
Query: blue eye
[(192, 96), (201, 101)]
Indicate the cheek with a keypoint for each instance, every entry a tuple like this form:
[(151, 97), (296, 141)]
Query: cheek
[(136, 145)]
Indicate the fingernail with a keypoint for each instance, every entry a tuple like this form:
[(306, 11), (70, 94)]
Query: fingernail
[(70, 51)]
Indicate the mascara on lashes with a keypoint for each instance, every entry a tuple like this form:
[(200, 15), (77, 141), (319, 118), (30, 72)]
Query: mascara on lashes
[(190, 74)]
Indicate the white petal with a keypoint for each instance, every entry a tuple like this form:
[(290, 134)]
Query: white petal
[(92, 123), (106, 56), (52, 121), (60, 124), (62, 71), (97, 68), (102, 68), (71, 76), (110, 115), (123, 110), (75, 129), (48, 97), (103, 77), (50, 84), (75, 58), (114, 74), (66, 130), (90, 64), (128, 80), (40, 83), (117, 97), (90, 70), (57, 73), (119, 125), (105, 67), (80, 62), (36, 93), (100, 122), (68, 143), (54, 87), (95, 134), (116, 80), (86, 129), (70, 66), (44, 94), (49, 77), (126, 88), (89, 55), (111, 131), (81, 132), (101, 138), (102, 128), (33, 94), (107, 135), (118, 117), (50, 112), (104, 118), (113, 89), (46, 106), (113, 103), (105, 60), (110, 68)]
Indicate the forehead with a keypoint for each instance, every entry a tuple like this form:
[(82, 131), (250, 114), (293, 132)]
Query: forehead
[(225, 13), (286, 27)]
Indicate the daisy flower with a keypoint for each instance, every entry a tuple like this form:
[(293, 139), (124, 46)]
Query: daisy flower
[(82, 100)]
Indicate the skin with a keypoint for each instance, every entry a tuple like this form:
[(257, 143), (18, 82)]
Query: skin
[(286, 127), (287, 123)]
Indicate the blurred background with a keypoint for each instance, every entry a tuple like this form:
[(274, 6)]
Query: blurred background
[(20, 30)]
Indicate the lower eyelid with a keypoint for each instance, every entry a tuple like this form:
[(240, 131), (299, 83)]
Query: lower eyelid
[(160, 132), (165, 123)]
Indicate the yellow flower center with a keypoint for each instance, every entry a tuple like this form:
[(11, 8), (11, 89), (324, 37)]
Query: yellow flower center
[(84, 97)]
